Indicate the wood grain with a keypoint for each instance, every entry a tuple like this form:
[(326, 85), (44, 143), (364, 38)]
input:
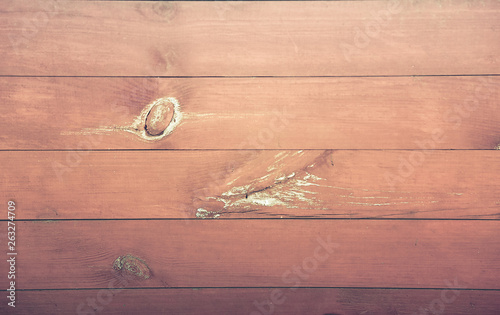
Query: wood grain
[(322, 38), (258, 253), (253, 301), (258, 113), (252, 184), (205, 157)]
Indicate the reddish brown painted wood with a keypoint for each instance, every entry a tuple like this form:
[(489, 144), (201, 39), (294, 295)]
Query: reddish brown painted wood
[(175, 184), (259, 253), (321, 105), (245, 301), (249, 38), (259, 113)]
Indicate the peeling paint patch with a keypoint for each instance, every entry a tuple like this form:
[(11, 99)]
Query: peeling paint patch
[(287, 182), (132, 266), (232, 181), (206, 214), (278, 161), (278, 185), (287, 191)]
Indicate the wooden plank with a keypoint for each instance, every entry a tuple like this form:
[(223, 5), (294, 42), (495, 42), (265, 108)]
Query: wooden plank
[(256, 301), (252, 184), (257, 253), (258, 113), (322, 38)]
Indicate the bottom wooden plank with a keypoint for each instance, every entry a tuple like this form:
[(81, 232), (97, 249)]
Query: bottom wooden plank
[(316, 301)]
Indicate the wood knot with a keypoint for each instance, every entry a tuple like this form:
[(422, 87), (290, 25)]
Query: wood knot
[(157, 120), (159, 117), (132, 266), (165, 11)]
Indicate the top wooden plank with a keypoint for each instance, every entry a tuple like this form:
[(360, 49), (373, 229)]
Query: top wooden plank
[(346, 38)]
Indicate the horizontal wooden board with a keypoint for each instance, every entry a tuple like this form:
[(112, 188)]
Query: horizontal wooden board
[(322, 38), (256, 301), (257, 253), (258, 113), (252, 184)]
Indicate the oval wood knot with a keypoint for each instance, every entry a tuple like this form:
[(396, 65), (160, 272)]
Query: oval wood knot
[(159, 117), (132, 266)]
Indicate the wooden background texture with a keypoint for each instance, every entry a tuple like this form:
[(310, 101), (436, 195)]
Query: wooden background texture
[(251, 157)]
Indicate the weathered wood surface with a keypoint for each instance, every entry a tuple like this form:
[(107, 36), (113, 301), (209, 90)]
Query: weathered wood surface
[(371, 124), (257, 253), (322, 38), (258, 113), (256, 301), (253, 184)]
